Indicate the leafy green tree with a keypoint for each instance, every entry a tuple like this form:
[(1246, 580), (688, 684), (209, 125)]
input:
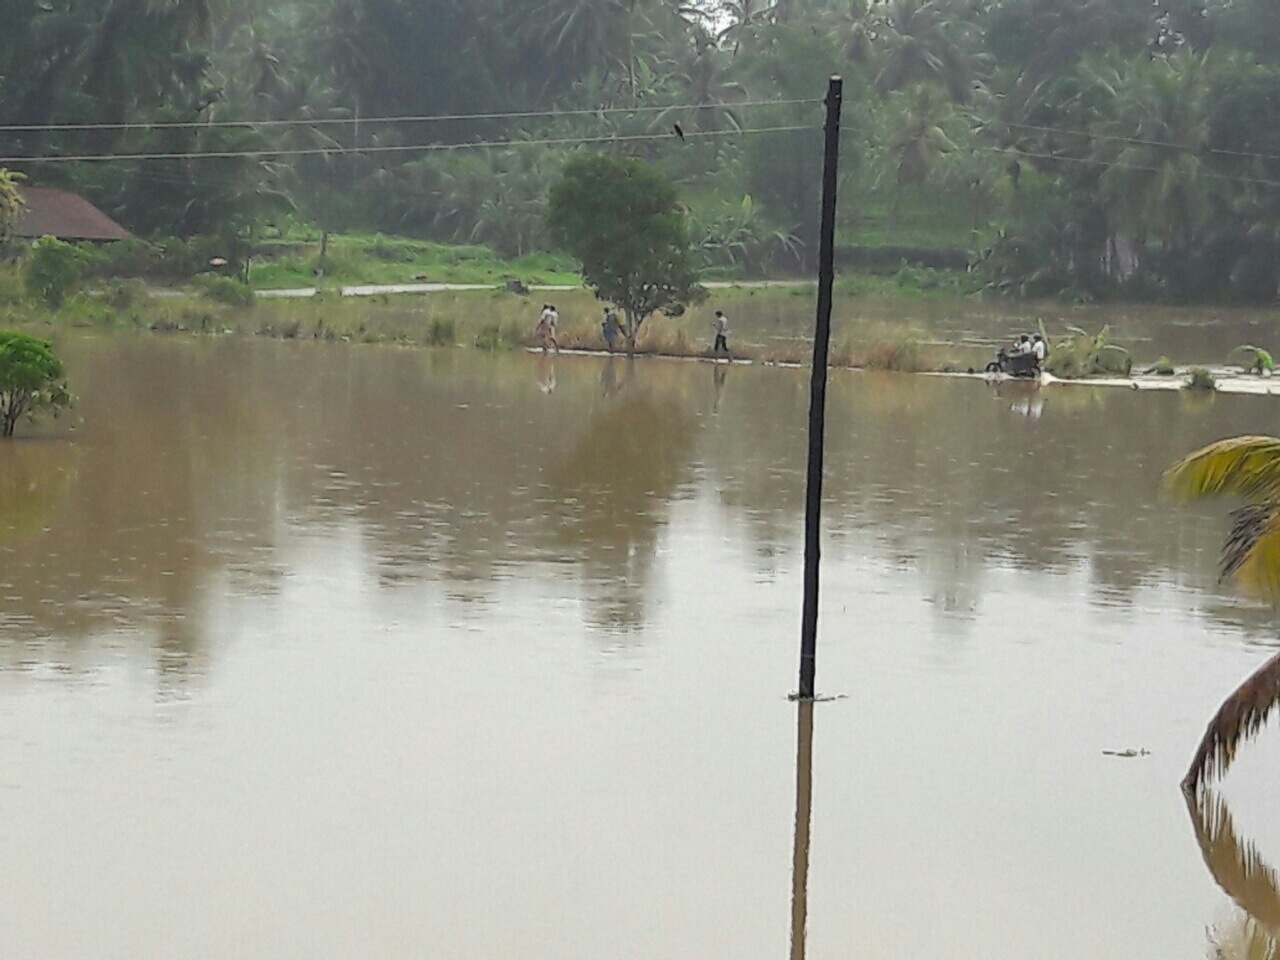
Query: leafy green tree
[(31, 380), (53, 270), (623, 222)]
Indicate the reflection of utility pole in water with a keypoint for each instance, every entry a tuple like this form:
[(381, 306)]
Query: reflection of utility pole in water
[(800, 851)]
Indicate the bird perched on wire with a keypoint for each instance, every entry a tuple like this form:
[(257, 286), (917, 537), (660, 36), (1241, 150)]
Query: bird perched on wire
[(679, 131)]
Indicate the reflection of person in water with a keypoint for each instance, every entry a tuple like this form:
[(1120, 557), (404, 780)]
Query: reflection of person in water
[(546, 376), (719, 373), (1031, 406), (608, 379)]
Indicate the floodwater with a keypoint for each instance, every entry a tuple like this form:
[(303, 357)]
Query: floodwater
[(324, 651), (1202, 335)]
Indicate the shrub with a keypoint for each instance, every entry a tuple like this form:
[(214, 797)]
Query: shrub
[(54, 270), (904, 356), (224, 290), (442, 333), (1201, 379), (31, 380), (493, 337), (125, 294), (391, 252), (1083, 354)]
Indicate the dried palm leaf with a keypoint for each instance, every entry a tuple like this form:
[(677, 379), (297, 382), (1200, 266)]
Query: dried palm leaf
[(1248, 466), (1239, 719)]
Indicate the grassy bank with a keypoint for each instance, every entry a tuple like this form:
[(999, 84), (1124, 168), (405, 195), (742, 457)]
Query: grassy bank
[(355, 259), (485, 320)]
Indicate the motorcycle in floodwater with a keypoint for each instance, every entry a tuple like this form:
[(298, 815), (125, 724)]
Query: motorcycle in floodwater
[(1022, 365)]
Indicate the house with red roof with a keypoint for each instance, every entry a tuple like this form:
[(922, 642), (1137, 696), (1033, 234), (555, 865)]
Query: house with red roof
[(51, 212)]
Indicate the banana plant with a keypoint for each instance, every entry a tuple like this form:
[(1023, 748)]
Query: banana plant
[(1083, 354), (1256, 359)]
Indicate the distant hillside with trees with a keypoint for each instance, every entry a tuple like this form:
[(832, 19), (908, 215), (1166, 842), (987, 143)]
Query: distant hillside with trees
[(1082, 147)]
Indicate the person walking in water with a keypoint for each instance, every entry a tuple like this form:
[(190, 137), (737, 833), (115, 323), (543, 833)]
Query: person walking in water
[(545, 332), (720, 324), (609, 328)]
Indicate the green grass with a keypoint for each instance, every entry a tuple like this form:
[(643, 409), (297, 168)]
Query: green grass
[(911, 282), (353, 259), (923, 221)]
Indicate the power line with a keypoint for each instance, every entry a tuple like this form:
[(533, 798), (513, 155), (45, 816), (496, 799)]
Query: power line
[(354, 121), (393, 148), (1139, 141), (1132, 166)]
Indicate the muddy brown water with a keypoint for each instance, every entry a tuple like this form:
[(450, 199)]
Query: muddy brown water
[(1202, 335), (317, 650)]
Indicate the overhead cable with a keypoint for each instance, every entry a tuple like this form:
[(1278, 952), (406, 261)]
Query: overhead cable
[(267, 153)]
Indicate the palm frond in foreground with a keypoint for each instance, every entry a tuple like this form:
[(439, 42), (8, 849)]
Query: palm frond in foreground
[(1250, 468)]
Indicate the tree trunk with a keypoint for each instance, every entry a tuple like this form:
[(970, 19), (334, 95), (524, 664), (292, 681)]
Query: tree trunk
[(632, 330), (891, 224)]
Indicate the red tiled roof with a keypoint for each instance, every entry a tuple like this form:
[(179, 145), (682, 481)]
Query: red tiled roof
[(60, 213)]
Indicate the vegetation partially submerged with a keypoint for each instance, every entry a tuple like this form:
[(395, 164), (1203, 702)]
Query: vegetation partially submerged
[(1081, 354), (32, 381)]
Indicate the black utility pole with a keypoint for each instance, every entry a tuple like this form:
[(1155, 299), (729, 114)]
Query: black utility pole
[(818, 392)]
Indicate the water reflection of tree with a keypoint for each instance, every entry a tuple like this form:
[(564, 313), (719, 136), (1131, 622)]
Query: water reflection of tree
[(945, 476), (1238, 867), (170, 442), (34, 478), (612, 493)]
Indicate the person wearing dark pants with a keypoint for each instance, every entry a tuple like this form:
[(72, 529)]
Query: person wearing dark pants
[(721, 326)]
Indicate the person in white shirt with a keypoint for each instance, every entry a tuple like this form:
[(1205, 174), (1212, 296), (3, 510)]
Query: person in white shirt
[(1039, 348), (1024, 344), (720, 324), (545, 333)]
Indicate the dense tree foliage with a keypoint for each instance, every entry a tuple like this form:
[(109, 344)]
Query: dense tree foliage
[(31, 380), (622, 221), (1090, 146)]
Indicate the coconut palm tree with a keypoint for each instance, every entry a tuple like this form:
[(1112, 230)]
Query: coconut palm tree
[(924, 42), (698, 68), (918, 143), (740, 18), (1248, 467), (1154, 179)]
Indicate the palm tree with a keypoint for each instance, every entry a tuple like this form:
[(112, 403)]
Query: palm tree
[(1248, 467), (923, 43), (859, 27), (918, 143), (698, 68), (740, 17), (1154, 179)]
